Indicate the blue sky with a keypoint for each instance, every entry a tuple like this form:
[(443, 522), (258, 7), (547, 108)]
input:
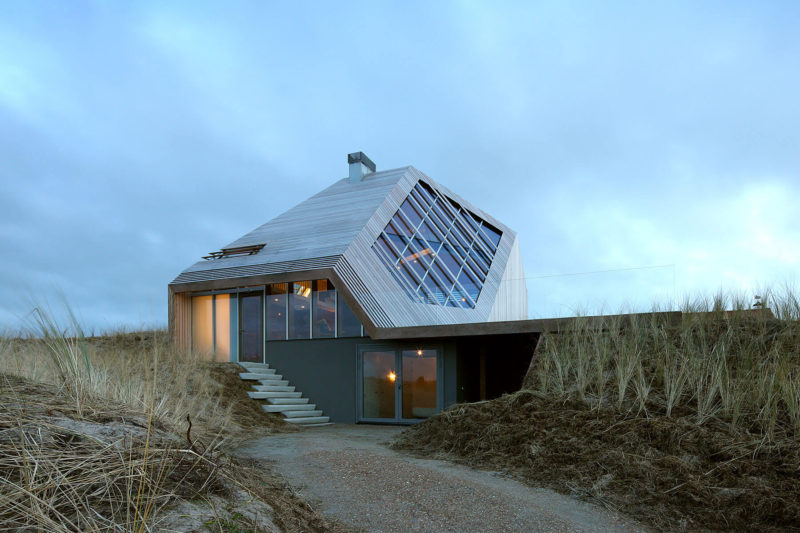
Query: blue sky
[(643, 151)]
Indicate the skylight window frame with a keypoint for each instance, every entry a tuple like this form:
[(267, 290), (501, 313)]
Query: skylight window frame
[(446, 258)]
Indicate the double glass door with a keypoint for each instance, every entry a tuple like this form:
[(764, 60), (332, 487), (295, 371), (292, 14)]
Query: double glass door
[(398, 385)]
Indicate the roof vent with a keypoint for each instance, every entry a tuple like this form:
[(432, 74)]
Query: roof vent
[(252, 249), (361, 166)]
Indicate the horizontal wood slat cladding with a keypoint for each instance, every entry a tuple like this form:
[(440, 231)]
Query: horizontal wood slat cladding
[(313, 263), (180, 316), (321, 226), (331, 235)]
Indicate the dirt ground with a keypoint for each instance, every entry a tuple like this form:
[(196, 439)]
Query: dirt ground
[(349, 474)]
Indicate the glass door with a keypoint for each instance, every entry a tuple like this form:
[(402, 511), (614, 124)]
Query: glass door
[(251, 327), (378, 380), (398, 385), (419, 372)]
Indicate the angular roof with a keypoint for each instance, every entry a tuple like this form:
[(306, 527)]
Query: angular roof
[(336, 234)]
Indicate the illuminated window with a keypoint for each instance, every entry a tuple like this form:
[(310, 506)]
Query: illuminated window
[(438, 251), (211, 326)]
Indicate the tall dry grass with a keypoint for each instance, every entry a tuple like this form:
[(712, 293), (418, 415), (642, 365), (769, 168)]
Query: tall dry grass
[(722, 359), (140, 370), (93, 430)]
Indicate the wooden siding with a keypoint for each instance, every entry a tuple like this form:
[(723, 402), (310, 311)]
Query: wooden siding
[(346, 219), (511, 302), (180, 326), (313, 263), (321, 226)]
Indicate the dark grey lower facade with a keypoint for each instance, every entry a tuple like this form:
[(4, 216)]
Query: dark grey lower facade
[(338, 374)]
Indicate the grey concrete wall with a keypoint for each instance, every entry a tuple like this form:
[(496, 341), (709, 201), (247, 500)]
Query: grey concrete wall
[(324, 370)]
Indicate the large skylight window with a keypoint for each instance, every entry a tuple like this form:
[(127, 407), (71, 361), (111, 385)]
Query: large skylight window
[(438, 251)]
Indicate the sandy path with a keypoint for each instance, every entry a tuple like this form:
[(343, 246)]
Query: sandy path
[(348, 473)]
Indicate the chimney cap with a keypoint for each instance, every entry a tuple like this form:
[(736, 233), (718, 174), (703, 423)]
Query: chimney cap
[(361, 157)]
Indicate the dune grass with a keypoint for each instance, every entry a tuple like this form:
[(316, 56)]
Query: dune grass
[(94, 434), (723, 359)]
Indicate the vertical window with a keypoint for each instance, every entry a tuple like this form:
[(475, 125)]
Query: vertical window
[(300, 310), (203, 326), (276, 311), (348, 323), (324, 309), (222, 327)]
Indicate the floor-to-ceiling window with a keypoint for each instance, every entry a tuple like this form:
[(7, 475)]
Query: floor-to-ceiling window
[(276, 311), (300, 310), (323, 309), (347, 321), (211, 330)]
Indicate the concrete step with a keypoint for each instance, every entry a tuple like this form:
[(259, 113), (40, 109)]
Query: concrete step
[(271, 408), (272, 383), (257, 366), (273, 388), (309, 420), (302, 414), (272, 395), (288, 401), (254, 375), (273, 377)]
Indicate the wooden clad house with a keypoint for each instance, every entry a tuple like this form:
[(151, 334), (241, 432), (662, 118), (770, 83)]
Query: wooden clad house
[(385, 297)]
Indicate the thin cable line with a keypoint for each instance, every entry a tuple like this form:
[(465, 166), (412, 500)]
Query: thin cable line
[(597, 272)]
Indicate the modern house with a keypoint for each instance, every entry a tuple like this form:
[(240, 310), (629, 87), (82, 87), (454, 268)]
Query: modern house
[(385, 297)]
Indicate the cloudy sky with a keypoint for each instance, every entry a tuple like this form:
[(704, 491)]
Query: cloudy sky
[(643, 151)]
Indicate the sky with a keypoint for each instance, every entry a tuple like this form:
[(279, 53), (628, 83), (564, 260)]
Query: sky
[(645, 152)]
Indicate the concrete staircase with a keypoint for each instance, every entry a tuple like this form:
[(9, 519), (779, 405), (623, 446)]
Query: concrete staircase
[(280, 396)]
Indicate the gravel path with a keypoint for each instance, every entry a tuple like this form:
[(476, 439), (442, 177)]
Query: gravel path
[(349, 473)]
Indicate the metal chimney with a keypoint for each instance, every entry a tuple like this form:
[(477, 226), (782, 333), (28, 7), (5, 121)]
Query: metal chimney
[(361, 166)]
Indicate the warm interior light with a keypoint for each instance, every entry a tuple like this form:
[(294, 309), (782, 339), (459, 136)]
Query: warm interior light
[(419, 353), (307, 292), (392, 376), (426, 251)]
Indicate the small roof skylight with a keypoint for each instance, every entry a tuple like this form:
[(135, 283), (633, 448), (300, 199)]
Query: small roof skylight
[(252, 249)]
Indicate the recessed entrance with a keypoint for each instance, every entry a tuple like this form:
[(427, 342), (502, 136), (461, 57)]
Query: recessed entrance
[(397, 385)]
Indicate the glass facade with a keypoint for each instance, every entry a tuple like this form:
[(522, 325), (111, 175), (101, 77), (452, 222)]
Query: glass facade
[(308, 310), (437, 251)]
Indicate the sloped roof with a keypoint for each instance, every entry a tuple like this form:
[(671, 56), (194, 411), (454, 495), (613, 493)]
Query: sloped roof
[(332, 235)]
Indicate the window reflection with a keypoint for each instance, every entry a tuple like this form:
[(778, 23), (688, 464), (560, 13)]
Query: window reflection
[(348, 323), (437, 250), (276, 311), (300, 310), (324, 309)]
